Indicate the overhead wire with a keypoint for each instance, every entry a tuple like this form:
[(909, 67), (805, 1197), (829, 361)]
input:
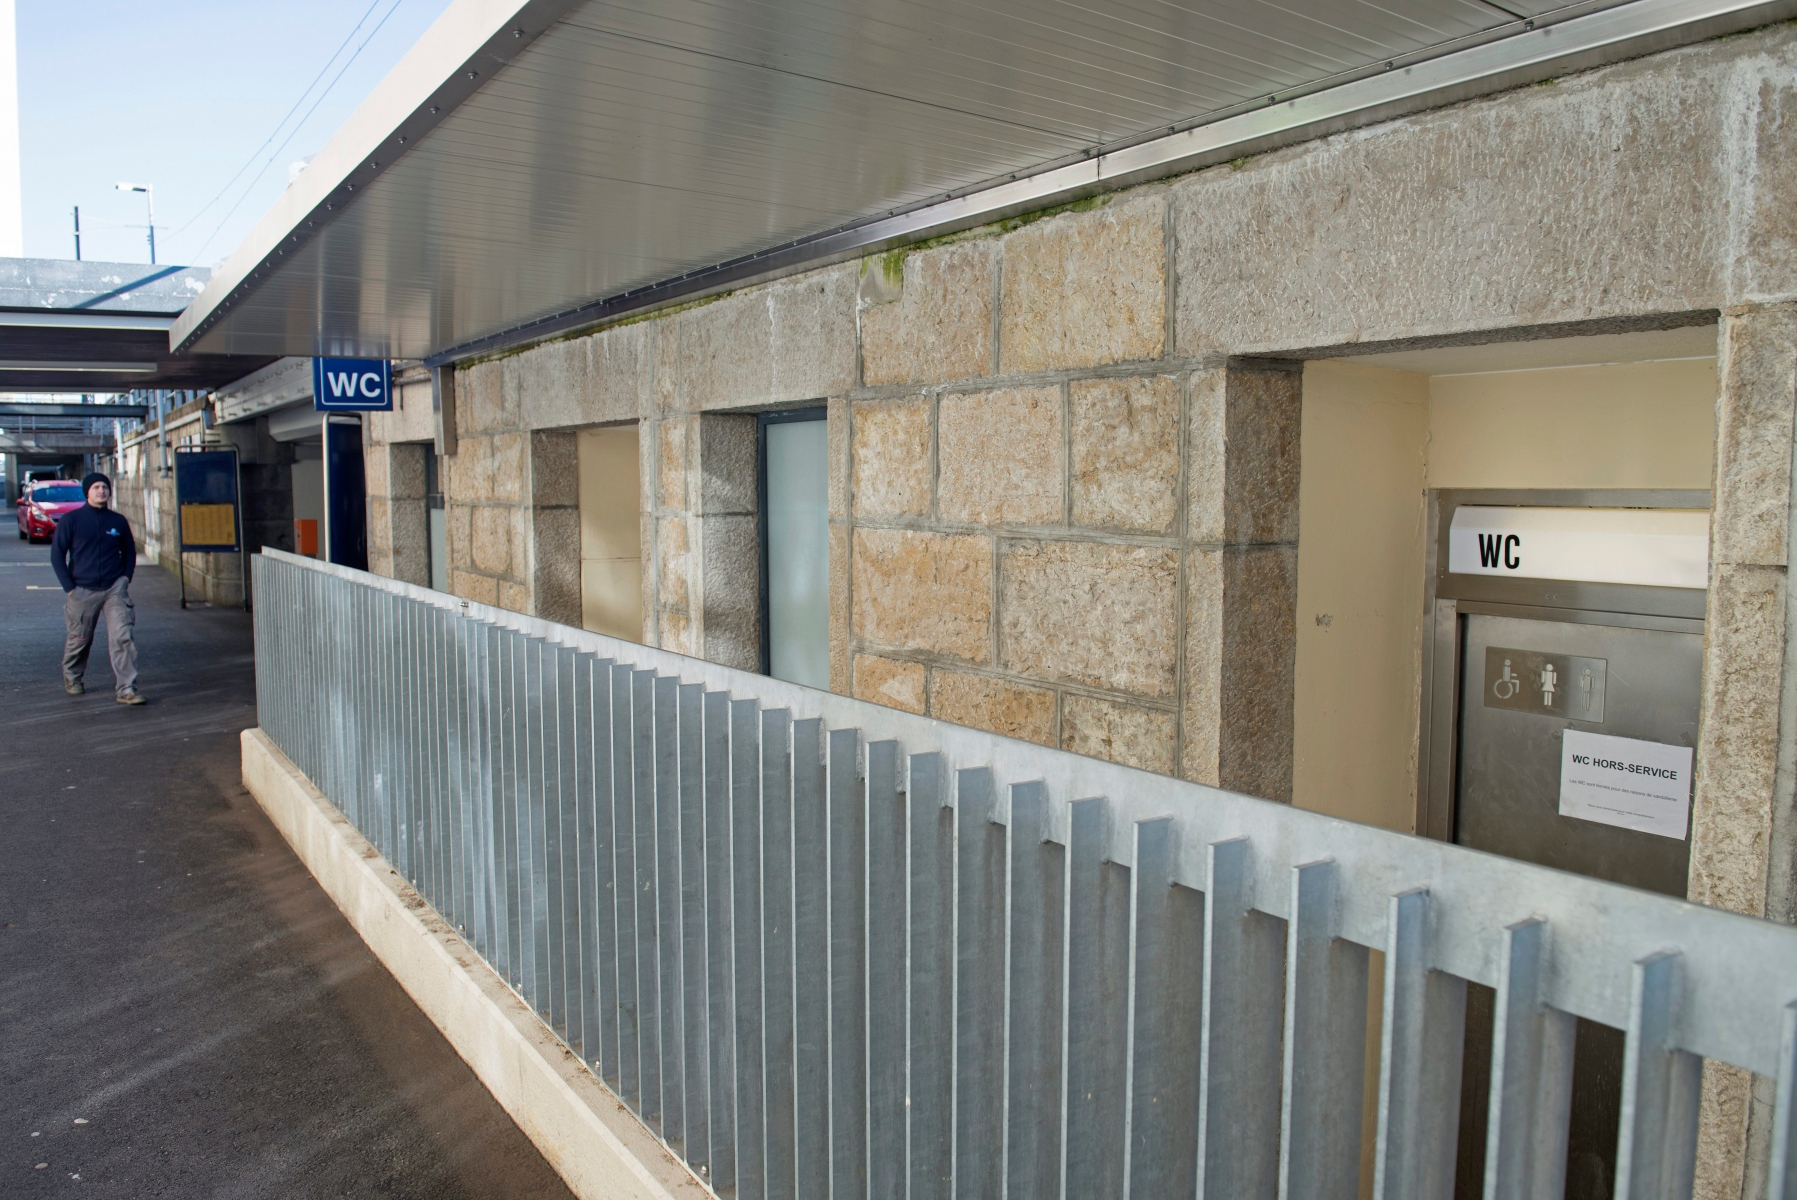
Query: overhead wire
[(282, 123), (300, 125)]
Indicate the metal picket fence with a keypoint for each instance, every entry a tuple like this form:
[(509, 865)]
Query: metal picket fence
[(828, 949)]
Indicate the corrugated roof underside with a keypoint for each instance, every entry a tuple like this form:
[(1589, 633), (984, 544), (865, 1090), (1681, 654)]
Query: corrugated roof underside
[(635, 142)]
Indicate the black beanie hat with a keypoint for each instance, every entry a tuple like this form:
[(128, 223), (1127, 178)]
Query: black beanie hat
[(93, 478)]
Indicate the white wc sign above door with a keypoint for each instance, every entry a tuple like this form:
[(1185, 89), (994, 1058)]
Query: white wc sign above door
[(1660, 547)]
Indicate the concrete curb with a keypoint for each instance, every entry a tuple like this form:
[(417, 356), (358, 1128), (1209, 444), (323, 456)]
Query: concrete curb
[(595, 1144)]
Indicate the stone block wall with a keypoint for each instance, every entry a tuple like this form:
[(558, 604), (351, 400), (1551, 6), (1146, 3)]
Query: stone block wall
[(1056, 530), (394, 446), (488, 487), (1743, 827), (553, 525), (1064, 448), (398, 529), (705, 589), (511, 493)]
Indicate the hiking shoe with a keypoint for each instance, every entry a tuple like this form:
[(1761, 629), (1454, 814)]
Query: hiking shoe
[(73, 687), (130, 698)]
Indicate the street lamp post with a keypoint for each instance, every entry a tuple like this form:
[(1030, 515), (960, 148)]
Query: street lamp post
[(149, 191)]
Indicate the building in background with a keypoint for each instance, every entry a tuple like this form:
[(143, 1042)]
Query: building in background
[(83, 348), (91, 382)]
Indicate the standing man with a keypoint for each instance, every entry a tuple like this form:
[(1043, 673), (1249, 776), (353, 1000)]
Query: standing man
[(95, 557)]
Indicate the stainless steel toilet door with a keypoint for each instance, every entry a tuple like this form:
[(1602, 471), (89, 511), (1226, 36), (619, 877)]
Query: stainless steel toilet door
[(1524, 683)]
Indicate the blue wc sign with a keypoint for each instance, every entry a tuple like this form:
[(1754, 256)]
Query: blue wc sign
[(352, 385)]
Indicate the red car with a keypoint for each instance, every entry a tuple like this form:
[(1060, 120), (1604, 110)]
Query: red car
[(42, 504)]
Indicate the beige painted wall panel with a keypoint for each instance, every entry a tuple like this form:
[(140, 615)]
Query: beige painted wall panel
[(1618, 425), (1363, 446), (611, 598), (609, 493), (611, 570), (1360, 592)]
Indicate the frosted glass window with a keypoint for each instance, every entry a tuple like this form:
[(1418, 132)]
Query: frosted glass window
[(438, 544), (439, 550), (798, 535)]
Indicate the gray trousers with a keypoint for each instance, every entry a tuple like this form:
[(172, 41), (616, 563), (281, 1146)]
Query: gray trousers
[(81, 612)]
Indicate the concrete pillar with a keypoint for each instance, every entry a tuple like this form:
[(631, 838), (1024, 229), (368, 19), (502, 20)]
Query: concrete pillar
[(727, 541), (1241, 577), (1741, 825), (398, 526), (707, 538), (377, 470), (554, 520), (669, 618)]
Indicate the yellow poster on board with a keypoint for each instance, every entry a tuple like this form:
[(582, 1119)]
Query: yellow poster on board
[(208, 524)]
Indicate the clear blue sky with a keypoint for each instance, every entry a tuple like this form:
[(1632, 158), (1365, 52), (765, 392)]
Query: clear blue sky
[(181, 94)]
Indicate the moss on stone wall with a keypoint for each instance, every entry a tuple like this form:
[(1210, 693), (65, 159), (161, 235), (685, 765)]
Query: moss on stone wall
[(598, 327), (891, 263)]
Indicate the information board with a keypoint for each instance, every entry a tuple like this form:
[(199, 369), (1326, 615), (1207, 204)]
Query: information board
[(206, 499)]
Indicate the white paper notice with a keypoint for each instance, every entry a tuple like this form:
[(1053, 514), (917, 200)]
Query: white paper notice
[(1626, 782)]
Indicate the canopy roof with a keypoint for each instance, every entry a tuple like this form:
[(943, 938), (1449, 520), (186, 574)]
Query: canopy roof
[(71, 326), (529, 169)]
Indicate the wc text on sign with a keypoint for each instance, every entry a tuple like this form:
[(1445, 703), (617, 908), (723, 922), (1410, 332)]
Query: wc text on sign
[(1650, 547), (352, 385)]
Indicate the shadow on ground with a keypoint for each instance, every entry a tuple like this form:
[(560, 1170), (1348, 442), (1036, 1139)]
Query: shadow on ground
[(184, 1012)]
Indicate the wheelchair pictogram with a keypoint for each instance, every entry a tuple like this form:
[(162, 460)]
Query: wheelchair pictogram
[(1506, 685)]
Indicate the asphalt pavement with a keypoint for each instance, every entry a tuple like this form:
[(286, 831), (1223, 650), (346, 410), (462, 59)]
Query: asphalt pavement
[(182, 1011)]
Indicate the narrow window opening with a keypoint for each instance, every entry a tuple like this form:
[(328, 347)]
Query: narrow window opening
[(795, 546), (437, 547), (611, 508)]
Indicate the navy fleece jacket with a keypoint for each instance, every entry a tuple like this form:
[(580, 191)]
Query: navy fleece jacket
[(92, 549)]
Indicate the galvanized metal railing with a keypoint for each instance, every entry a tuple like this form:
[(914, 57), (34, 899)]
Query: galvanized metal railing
[(825, 948)]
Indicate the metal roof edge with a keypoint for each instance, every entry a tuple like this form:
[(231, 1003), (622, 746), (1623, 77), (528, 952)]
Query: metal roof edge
[(280, 383), (32, 408), (1536, 50), (469, 42), (16, 318)]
